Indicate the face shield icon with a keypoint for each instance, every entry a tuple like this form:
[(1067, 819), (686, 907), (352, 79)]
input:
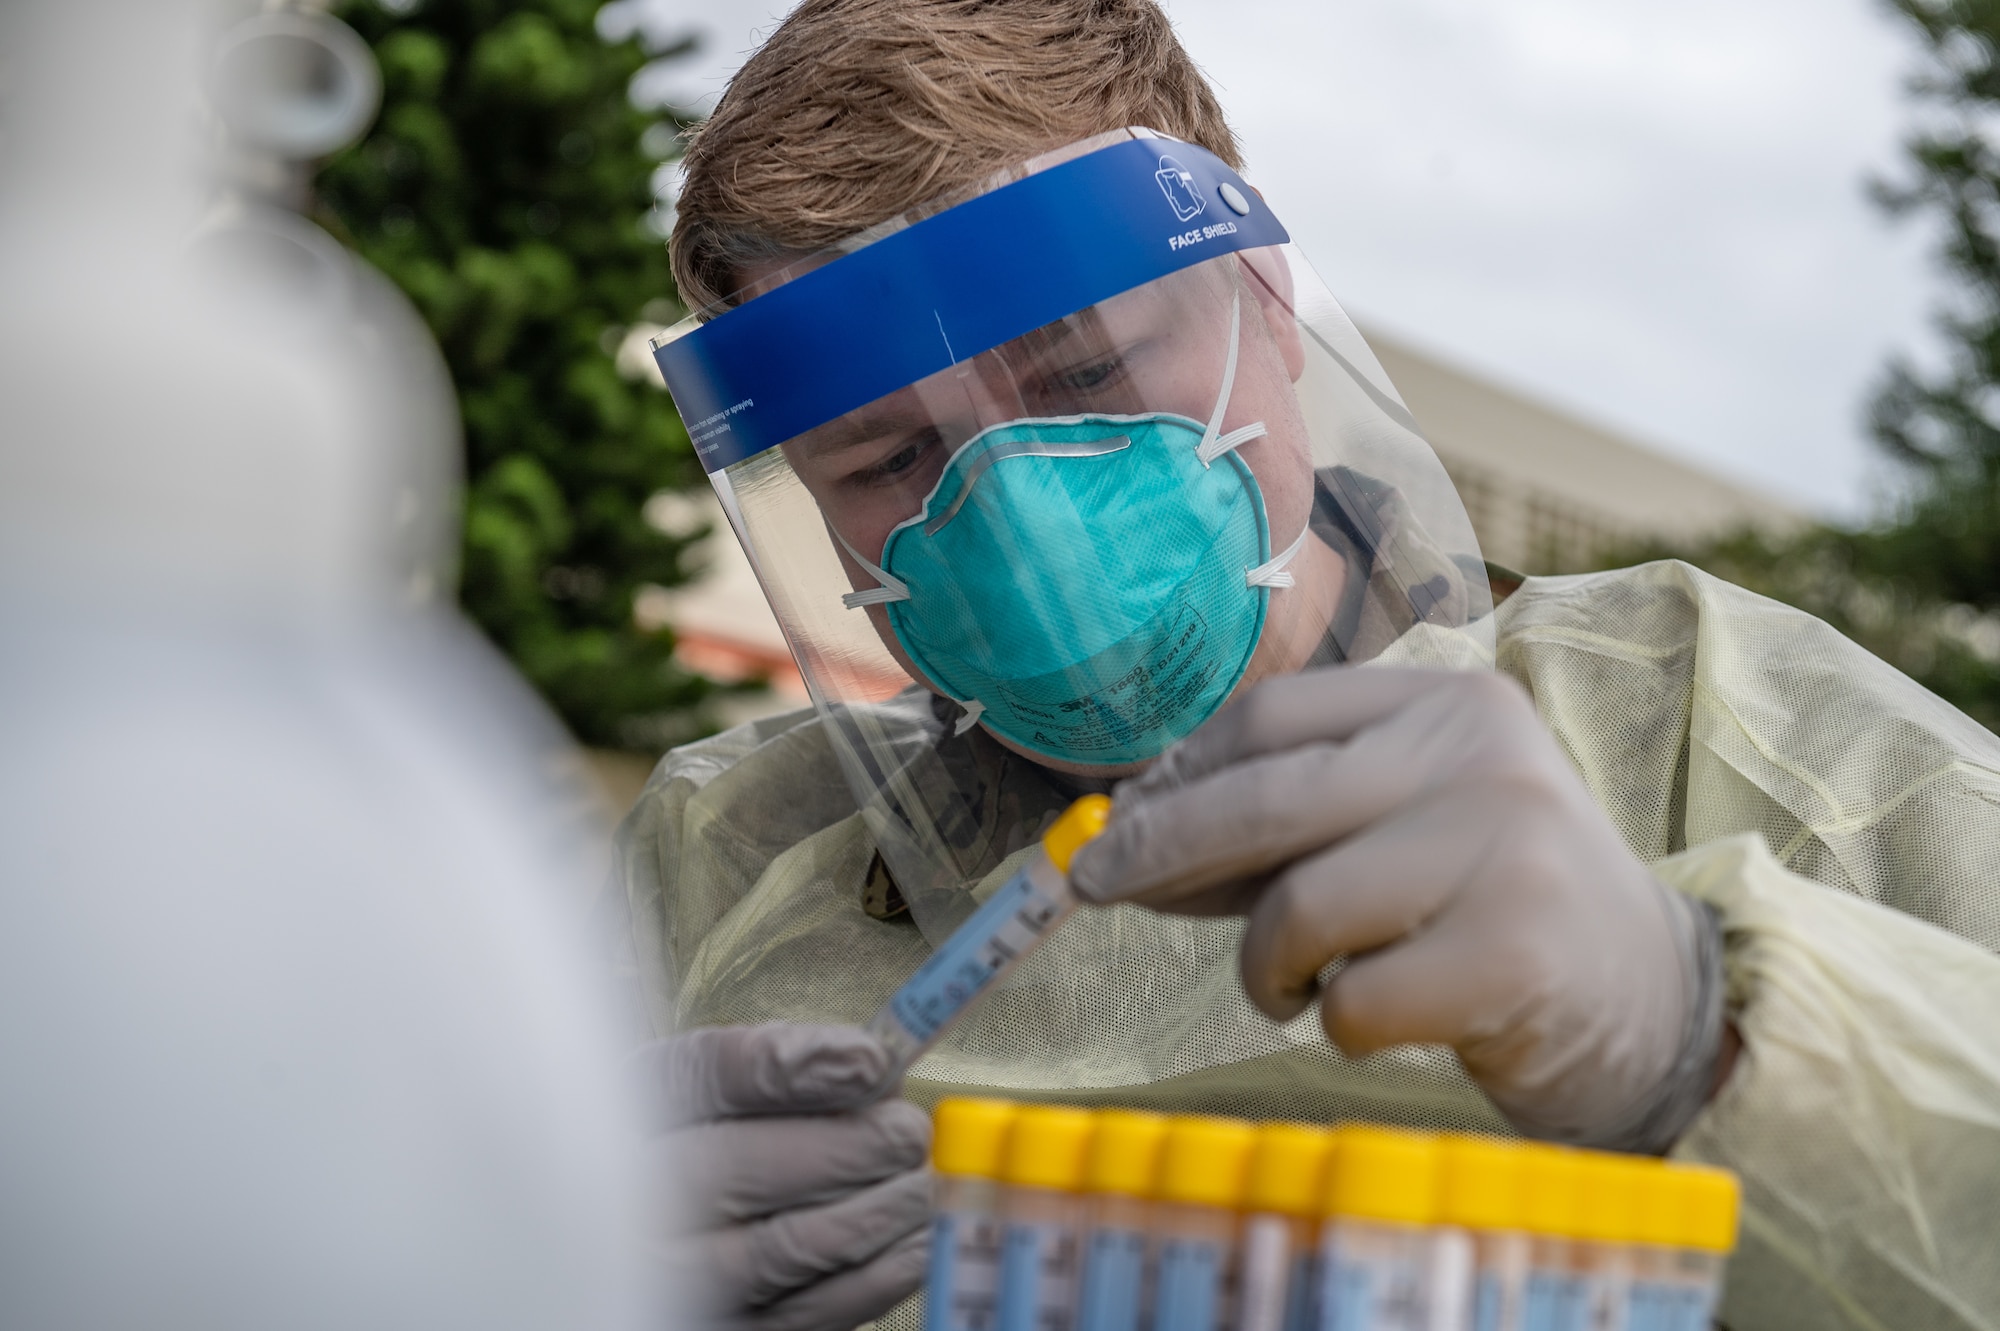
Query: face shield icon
[(1178, 184)]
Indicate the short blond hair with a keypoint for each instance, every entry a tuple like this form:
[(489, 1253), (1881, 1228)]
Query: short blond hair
[(857, 110)]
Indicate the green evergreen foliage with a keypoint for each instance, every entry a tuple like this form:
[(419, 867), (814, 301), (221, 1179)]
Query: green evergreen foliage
[(1945, 426), (504, 188), (1920, 587)]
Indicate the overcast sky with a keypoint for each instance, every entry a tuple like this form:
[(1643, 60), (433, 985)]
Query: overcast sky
[(1650, 215)]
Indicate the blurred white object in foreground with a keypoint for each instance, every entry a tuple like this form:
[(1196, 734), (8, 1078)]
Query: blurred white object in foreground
[(296, 1026)]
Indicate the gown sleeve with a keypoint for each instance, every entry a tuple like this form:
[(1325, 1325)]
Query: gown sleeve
[(1845, 823)]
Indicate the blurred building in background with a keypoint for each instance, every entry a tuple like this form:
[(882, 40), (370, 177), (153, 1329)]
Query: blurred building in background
[(723, 627), (1549, 493)]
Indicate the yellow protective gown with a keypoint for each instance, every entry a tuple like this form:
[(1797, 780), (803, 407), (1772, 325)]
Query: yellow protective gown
[(1845, 823)]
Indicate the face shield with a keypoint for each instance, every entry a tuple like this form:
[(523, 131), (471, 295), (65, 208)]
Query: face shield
[(1038, 479)]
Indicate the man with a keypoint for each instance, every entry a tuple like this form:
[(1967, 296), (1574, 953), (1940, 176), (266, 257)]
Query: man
[(1040, 417)]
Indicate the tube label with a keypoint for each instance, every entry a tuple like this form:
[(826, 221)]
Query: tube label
[(1276, 1290), (1448, 1283), (1555, 1302), (1607, 1300), (1487, 1301), (1673, 1307), (962, 1292), (1037, 1277), (1649, 1307), (1299, 1292), (1008, 926), (1188, 1296), (1379, 1291), (1114, 1275)]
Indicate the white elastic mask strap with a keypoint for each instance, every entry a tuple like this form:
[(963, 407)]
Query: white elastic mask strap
[(895, 589), (1214, 443), (892, 588), (1274, 572), (970, 715)]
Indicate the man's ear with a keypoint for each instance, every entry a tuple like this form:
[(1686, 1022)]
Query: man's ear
[(1271, 282)]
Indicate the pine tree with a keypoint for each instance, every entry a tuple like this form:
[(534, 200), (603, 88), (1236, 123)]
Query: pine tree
[(1944, 426), (505, 188)]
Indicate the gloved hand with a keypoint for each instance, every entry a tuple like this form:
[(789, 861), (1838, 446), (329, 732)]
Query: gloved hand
[(802, 1194), (1425, 825)]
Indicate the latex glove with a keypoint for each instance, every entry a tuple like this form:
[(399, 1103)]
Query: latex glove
[(1425, 826), (802, 1191)]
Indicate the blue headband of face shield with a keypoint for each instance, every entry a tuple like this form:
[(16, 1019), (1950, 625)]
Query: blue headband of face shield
[(945, 289), (1089, 587)]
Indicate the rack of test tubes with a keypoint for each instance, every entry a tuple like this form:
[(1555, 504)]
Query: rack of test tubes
[(1060, 1219)]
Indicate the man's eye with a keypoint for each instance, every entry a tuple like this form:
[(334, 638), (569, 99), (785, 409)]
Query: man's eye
[(1087, 377), (898, 463)]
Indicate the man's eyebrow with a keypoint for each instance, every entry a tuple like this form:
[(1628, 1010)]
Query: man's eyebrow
[(1048, 336), (859, 427)]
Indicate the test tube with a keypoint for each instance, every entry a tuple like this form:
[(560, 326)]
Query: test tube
[(1118, 1175), (1008, 926), (1656, 1227), (1606, 1220), (961, 1292), (1041, 1217), (1281, 1199), (1479, 1207), (1200, 1185), (1710, 1202), (1551, 1180), (1375, 1244)]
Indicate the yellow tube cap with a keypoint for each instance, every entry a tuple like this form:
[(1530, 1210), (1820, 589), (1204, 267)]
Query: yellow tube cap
[(1202, 1160), (1657, 1205), (1551, 1184), (1124, 1152), (967, 1136), (1608, 1199), (1480, 1182), (1046, 1146), (1710, 1203), (1287, 1169), (1079, 825), (1383, 1174)]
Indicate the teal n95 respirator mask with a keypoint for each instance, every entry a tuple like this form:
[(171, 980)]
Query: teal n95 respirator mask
[(1090, 587), (1036, 477)]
